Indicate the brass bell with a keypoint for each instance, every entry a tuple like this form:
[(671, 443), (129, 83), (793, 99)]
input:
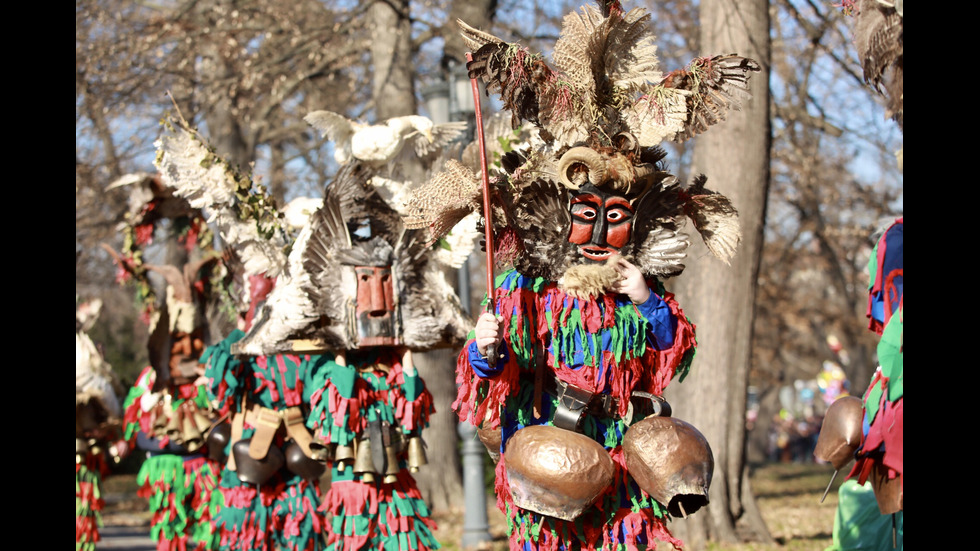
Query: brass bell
[(363, 465), (416, 454), (319, 451), (841, 432), (94, 448), (173, 428), (81, 449), (391, 464), (191, 436), (343, 456), (201, 421), (670, 460)]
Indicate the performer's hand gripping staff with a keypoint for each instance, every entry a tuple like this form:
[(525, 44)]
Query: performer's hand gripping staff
[(488, 329)]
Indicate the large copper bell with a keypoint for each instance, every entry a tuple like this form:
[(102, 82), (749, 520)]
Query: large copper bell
[(670, 460), (556, 472), (491, 439), (256, 471), (217, 441), (841, 432), (888, 491), (299, 464), (363, 464), (319, 451), (416, 453)]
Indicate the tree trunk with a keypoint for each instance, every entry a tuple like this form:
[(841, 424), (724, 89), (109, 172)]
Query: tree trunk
[(393, 90), (720, 300), (440, 482)]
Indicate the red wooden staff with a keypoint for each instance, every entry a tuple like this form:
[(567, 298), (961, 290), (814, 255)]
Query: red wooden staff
[(488, 225)]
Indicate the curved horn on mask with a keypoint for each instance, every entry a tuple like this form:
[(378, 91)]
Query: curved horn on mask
[(585, 156)]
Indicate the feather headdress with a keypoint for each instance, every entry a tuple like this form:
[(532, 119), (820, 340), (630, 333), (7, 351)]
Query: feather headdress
[(599, 117), (314, 298)]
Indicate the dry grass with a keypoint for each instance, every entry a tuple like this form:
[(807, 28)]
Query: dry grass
[(788, 496)]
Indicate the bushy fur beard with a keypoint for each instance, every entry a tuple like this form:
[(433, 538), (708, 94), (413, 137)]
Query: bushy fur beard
[(589, 280)]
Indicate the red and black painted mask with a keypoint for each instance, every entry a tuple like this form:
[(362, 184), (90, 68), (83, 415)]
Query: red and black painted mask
[(375, 307), (602, 222)]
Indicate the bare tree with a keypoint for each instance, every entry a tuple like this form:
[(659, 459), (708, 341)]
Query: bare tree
[(721, 301)]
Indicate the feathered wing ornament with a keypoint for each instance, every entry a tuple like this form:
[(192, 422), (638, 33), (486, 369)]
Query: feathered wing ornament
[(711, 87), (444, 200), (607, 81), (313, 299), (879, 34), (379, 144), (660, 246), (246, 219), (715, 218)]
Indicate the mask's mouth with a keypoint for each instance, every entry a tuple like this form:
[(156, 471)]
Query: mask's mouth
[(597, 254)]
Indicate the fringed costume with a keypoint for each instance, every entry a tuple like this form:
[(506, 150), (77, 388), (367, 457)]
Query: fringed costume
[(178, 477), (270, 496), (361, 405), (587, 221), (89, 470), (97, 418), (605, 345), (370, 292), (880, 457)]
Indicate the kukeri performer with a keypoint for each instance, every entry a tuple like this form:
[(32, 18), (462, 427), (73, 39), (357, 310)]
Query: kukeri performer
[(586, 337), (97, 426), (366, 292)]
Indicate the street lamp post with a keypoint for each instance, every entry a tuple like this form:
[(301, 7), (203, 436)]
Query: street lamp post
[(453, 101)]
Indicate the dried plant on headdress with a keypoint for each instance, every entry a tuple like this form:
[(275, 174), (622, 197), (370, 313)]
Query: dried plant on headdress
[(313, 297), (244, 213), (600, 113)]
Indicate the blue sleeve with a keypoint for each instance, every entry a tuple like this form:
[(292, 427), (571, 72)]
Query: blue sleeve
[(480, 365), (663, 323)]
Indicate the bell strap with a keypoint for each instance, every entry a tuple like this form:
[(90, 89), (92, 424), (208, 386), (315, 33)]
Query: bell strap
[(266, 422), (296, 429), (237, 427)]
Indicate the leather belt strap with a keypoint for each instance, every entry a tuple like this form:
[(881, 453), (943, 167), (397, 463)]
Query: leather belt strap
[(296, 429), (237, 427), (574, 403), (266, 422)]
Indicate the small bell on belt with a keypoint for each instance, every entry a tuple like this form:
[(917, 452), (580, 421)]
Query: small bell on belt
[(173, 428), (191, 436), (416, 453), (343, 457), (363, 465), (391, 464), (202, 421)]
